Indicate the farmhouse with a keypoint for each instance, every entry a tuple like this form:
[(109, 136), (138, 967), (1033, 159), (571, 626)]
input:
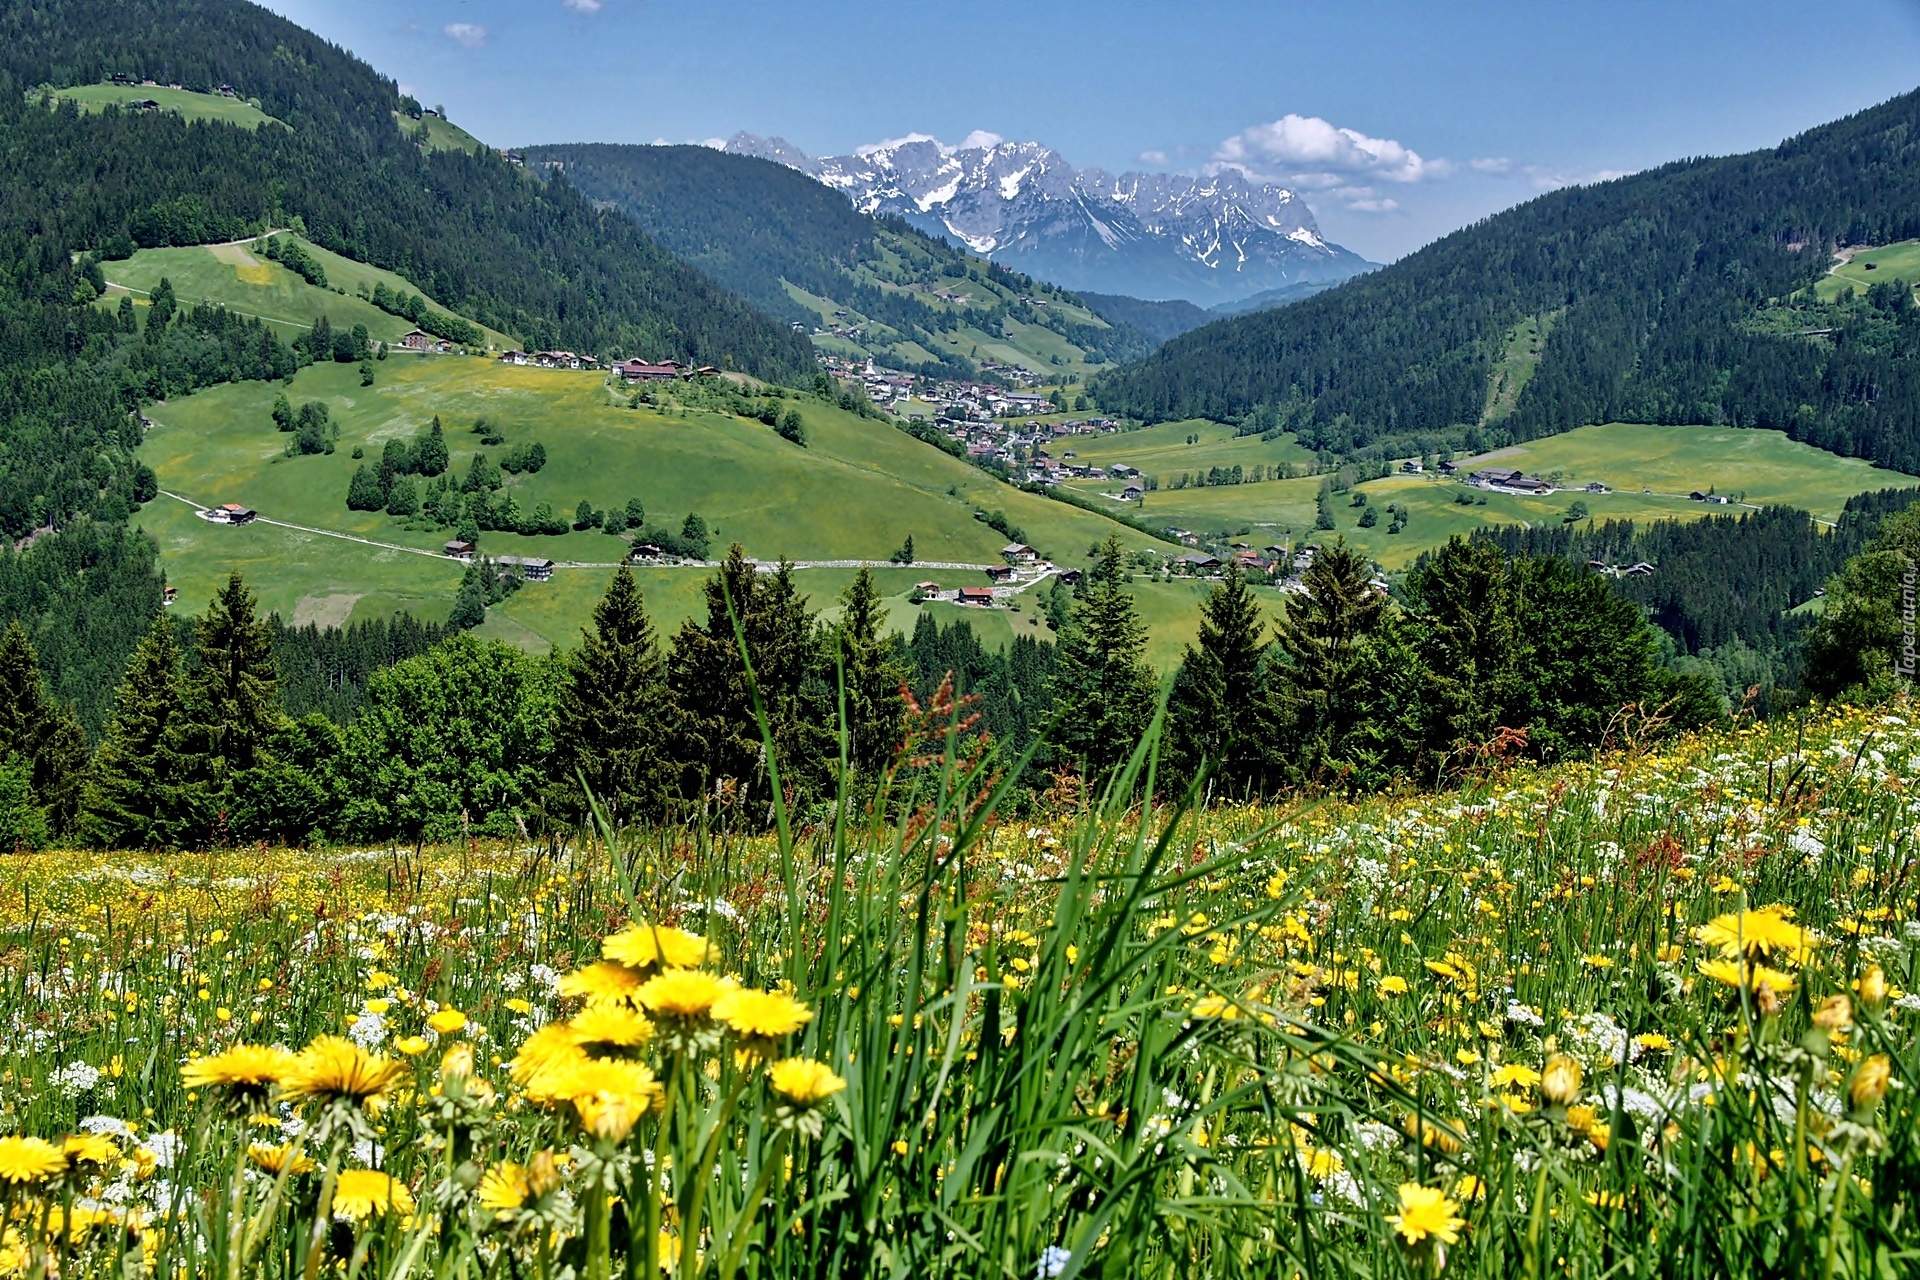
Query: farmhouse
[(1019, 553), (1000, 572), (532, 568), (643, 551), (928, 588), (421, 340), (232, 513), (1641, 570), (1492, 475), (1133, 493), (1199, 562), (641, 371), (1597, 487), (516, 356), (975, 595), (459, 550)]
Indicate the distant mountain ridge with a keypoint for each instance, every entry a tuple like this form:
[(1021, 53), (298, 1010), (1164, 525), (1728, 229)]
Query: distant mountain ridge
[(1208, 239), (1683, 294)]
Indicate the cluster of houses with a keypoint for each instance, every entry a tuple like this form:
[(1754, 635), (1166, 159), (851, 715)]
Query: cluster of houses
[(531, 568), (632, 371), (550, 359), (421, 340), (951, 400)]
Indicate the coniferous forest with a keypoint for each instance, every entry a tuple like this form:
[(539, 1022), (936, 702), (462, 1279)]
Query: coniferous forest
[(1678, 295)]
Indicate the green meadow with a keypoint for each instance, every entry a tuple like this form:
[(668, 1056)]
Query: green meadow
[(181, 102), (239, 278), (855, 493), (1650, 470), (1898, 261), (1164, 451)]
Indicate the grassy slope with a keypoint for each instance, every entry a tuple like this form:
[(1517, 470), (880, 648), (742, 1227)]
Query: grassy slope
[(1163, 450), (441, 134), (237, 277), (1764, 466), (182, 102), (1900, 261), (856, 493)]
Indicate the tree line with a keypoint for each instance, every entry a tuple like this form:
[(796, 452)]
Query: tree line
[(1656, 291)]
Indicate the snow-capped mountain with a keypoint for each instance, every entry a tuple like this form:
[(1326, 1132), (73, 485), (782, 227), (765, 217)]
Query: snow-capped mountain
[(1211, 238)]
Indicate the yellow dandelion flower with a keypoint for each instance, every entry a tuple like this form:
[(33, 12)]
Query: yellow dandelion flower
[(288, 1157), (1732, 974), (335, 1068), (359, 1194), (1560, 1081), (603, 980), (643, 946), (1653, 1042), (1765, 932), (609, 1026), (683, 993), (804, 1081), (1514, 1073), (413, 1046), (90, 1148), (762, 1014), (447, 1022), (504, 1189), (24, 1161), (554, 1043), (608, 1095), (1870, 1081), (1426, 1213), (1393, 985), (244, 1069)]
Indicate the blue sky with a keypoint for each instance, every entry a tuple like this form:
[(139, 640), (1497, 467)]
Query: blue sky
[(1397, 121)]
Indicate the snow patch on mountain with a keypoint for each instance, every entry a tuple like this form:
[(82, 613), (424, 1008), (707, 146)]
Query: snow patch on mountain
[(1211, 238)]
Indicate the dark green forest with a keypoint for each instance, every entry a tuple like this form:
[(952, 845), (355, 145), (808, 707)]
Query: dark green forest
[(534, 259), (751, 223), (1668, 294)]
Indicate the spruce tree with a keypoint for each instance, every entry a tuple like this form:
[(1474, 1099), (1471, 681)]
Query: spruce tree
[(873, 673), (41, 734), (1103, 690), (1322, 640), (233, 691), (1219, 712), (611, 709), (127, 798)]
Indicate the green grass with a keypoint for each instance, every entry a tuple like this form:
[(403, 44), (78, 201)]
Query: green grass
[(441, 134), (1760, 467), (1898, 261), (1519, 357), (855, 494), (238, 277), (1163, 450), (93, 98)]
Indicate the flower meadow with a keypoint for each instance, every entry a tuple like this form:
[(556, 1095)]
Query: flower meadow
[(1651, 1014)]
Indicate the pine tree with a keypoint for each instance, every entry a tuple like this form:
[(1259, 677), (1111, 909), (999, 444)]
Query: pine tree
[(233, 691), (1103, 691), (126, 802), (715, 733), (41, 734), (611, 704), (873, 673), (1322, 640), (1219, 712)]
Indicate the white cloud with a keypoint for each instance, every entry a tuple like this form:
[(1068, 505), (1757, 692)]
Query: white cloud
[(1542, 177), (1310, 152), (465, 34), (584, 6), (980, 138), (902, 141), (1153, 157), (717, 144)]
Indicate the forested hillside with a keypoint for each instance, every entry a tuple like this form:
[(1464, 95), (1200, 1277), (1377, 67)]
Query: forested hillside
[(531, 259), (756, 226), (1672, 296)]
